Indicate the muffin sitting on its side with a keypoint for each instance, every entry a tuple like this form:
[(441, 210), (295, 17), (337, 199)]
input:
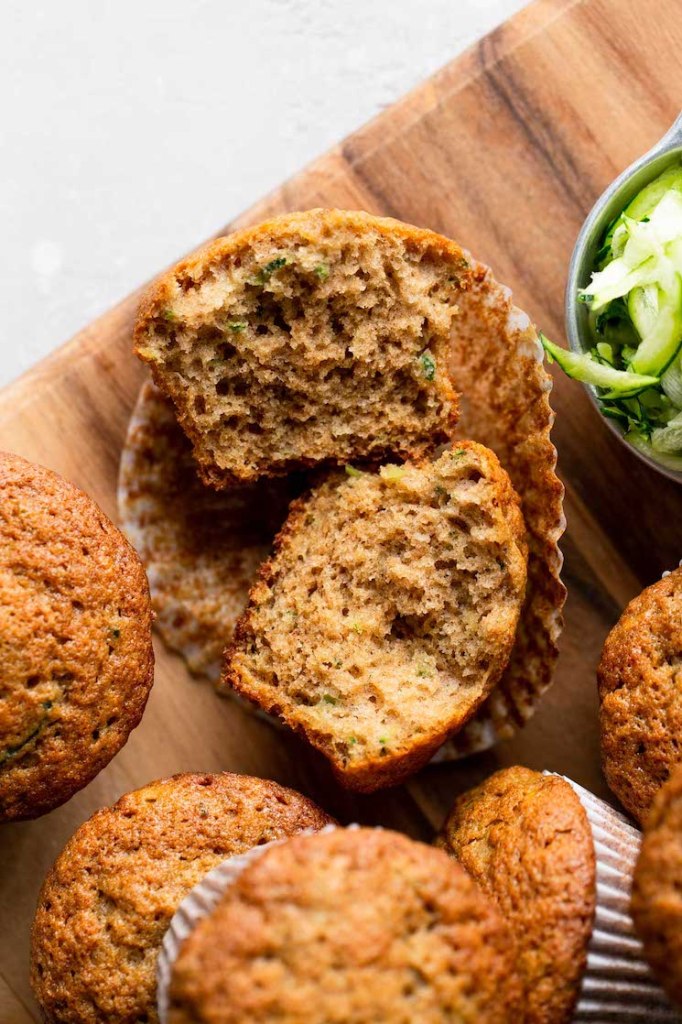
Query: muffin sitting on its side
[(388, 611), (105, 905), (75, 639), (525, 838), (353, 926), (315, 337), (640, 692)]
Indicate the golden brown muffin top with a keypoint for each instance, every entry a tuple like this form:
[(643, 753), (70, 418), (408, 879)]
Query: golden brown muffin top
[(640, 692), (525, 838), (75, 639), (657, 888), (353, 926), (107, 902)]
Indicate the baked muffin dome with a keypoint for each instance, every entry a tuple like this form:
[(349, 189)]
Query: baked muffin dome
[(105, 905), (640, 693), (525, 839), (75, 639), (352, 926)]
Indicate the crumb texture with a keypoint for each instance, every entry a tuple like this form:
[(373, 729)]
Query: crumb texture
[(640, 692), (388, 611), (315, 337), (657, 888), (201, 548), (351, 927), (107, 902), (75, 639), (525, 839)]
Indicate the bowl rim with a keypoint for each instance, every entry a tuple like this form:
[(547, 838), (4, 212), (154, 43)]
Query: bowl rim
[(654, 161)]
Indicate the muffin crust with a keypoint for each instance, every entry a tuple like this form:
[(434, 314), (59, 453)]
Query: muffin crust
[(353, 927), (105, 905), (525, 838), (640, 692), (657, 888), (75, 639)]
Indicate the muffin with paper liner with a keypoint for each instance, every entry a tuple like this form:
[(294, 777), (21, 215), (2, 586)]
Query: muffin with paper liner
[(353, 925), (560, 863)]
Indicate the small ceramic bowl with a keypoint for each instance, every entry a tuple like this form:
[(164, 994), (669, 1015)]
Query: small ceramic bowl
[(609, 205)]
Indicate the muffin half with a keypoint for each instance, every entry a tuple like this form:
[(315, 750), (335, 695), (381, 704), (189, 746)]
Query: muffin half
[(388, 611), (315, 337)]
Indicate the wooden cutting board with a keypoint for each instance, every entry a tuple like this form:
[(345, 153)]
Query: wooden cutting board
[(505, 150)]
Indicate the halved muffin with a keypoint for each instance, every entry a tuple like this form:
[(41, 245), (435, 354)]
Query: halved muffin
[(316, 337), (388, 611)]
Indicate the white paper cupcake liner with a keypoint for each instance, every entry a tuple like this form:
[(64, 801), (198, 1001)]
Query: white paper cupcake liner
[(198, 904), (618, 984)]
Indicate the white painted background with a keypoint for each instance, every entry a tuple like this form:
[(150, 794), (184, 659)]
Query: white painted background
[(130, 130)]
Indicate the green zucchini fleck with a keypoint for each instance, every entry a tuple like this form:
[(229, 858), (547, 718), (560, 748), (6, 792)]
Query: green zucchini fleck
[(266, 272), (428, 364), (10, 752)]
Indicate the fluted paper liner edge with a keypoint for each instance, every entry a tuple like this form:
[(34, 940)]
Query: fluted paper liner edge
[(618, 984)]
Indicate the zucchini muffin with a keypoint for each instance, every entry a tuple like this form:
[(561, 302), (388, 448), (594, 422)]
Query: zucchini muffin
[(388, 611), (201, 548), (525, 839), (105, 905), (640, 693), (314, 337), (75, 639), (657, 888), (352, 926)]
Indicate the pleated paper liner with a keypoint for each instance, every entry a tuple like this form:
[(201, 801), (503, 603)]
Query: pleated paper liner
[(618, 984), (197, 905), (199, 586)]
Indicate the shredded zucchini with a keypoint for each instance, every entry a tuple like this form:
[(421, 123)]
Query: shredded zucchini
[(634, 298), (585, 367)]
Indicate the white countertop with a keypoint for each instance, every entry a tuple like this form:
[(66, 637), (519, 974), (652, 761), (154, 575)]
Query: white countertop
[(133, 129)]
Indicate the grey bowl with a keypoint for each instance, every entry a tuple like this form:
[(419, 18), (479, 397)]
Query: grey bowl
[(609, 205)]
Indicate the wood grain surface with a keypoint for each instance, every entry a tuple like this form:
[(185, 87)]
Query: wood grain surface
[(505, 150)]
